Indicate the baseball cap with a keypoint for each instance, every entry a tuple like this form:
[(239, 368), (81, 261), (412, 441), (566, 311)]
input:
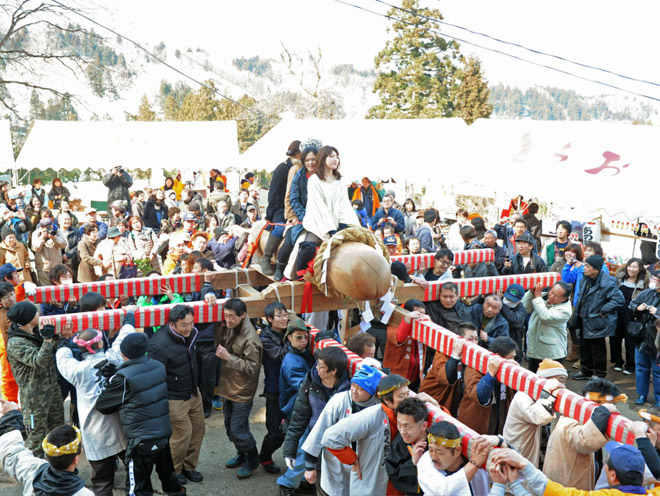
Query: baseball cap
[(389, 241), (7, 269), (625, 458), (188, 216), (90, 210), (514, 292), (527, 238)]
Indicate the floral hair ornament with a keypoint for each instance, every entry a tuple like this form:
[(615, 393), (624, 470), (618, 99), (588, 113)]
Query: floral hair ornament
[(88, 344), (606, 398), (316, 143), (443, 441), (67, 449)]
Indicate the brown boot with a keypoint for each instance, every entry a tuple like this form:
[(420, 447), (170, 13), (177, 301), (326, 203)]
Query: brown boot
[(577, 365), (574, 354)]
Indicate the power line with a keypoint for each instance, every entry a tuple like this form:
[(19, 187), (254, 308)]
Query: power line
[(523, 47), (256, 112), (494, 50)]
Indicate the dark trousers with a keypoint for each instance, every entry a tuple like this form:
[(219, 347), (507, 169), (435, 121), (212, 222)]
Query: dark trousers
[(207, 364), (535, 362), (140, 463), (616, 341), (593, 356), (285, 248), (103, 475), (274, 437), (237, 416)]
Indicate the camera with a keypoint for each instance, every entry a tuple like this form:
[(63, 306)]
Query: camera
[(51, 231)]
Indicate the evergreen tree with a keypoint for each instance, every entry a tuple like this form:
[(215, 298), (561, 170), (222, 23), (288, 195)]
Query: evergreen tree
[(471, 96), (417, 67), (145, 111)]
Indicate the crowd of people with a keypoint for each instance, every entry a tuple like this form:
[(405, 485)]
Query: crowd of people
[(142, 397)]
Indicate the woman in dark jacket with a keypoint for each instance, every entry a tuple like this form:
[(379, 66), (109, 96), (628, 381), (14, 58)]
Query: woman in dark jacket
[(58, 193), (155, 211), (298, 200), (38, 191), (632, 279), (642, 311)]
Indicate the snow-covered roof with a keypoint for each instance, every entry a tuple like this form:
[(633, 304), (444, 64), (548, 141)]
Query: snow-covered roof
[(105, 144), (6, 151)]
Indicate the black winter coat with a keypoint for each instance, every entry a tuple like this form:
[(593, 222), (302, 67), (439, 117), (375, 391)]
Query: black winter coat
[(277, 190), (536, 264), (118, 188), (312, 398), (599, 302), (139, 391), (150, 218), (274, 351), (179, 356)]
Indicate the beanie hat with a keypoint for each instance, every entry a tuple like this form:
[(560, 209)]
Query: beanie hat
[(22, 313), (596, 261), (367, 378), (551, 368), (134, 345), (6, 231)]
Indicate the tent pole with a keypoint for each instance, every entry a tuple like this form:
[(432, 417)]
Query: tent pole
[(635, 241)]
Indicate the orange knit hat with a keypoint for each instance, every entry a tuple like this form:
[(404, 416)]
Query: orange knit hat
[(551, 368)]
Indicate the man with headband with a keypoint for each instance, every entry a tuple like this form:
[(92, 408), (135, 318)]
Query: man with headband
[(570, 455), (102, 435), (444, 470), (57, 474), (373, 429)]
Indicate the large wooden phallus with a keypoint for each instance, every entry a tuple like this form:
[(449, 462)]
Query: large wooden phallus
[(358, 267)]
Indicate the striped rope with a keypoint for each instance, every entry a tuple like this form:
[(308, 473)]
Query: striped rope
[(516, 377), (137, 286), (425, 261), (151, 316), (487, 285)]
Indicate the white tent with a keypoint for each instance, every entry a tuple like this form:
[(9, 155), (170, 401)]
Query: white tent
[(135, 145), (6, 151), (379, 149), (594, 167)]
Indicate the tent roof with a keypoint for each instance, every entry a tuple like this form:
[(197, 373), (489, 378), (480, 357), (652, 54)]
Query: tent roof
[(6, 150), (596, 167), (377, 148), (78, 145)]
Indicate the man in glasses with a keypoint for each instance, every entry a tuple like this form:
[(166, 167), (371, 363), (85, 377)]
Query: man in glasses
[(272, 339)]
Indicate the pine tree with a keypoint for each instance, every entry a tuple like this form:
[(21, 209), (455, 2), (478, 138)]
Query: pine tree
[(471, 95), (417, 67), (145, 111)]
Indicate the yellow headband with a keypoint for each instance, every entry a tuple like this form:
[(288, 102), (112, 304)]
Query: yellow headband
[(67, 449), (442, 441), (380, 394), (606, 398)]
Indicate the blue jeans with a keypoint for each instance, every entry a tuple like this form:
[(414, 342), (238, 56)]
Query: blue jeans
[(644, 365), (278, 231), (292, 478)]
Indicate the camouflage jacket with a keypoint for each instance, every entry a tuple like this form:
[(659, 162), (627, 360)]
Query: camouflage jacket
[(31, 360)]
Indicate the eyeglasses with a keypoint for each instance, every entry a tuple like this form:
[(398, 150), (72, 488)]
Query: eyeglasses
[(280, 315), (300, 338)]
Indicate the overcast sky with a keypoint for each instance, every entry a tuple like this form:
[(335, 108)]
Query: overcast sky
[(618, 36)]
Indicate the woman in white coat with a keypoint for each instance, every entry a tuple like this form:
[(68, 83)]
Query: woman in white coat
[(328, 207)]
